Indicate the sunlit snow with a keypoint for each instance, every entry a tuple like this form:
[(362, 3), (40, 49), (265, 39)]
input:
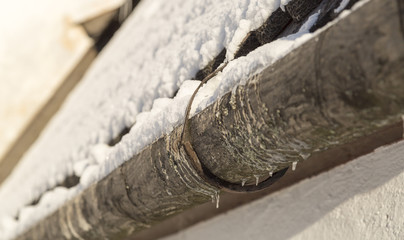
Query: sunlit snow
[(158, 50)]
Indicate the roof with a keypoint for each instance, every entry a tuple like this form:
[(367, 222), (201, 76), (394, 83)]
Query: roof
[(143, 96)]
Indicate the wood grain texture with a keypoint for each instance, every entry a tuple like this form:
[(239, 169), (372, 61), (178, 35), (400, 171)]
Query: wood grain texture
[(345, 83)]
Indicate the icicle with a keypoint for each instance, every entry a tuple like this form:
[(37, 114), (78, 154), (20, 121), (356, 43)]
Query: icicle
[(217, 196), (305, 156), (403, 123), (213, 198), (270, 173), (294, 164), (257, 179), (243, 182)]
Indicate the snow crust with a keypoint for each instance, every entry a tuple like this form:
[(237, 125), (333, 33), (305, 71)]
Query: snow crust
[(341, 6), (160, 47), (284, 3)]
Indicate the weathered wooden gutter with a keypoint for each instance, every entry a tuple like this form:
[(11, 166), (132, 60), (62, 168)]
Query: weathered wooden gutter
[(346, 83)]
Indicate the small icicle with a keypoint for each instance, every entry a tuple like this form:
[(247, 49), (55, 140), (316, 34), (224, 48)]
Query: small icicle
[(305, 156), (294, 164), (271, 173), (243, 182), (217, 196), (257, 179), (213, 198)]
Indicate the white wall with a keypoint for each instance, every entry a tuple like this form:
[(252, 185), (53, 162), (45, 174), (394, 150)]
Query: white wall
[(363, 199)]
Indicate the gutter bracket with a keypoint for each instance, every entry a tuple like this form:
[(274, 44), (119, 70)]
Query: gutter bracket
[(202, 170)]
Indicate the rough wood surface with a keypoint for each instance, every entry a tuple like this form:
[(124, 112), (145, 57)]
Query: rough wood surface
[(345, 83)]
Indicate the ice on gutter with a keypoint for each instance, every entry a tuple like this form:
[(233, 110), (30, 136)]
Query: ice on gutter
[(165, 43), (145, 74)]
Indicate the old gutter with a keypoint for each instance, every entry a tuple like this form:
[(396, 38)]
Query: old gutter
[(316, 164), (344, 84)]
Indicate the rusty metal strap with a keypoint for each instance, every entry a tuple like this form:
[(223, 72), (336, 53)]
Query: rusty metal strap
[(202, 170)]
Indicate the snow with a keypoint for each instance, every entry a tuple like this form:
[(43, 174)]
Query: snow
[(283, 4), (161, 46), (341, 6)]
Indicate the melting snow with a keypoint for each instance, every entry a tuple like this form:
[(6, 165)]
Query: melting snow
[(160, 47)]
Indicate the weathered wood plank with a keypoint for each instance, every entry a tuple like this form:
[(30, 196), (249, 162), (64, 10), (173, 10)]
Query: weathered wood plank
[(345, 83)]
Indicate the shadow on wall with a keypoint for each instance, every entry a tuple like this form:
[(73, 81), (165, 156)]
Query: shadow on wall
[(287, 213)]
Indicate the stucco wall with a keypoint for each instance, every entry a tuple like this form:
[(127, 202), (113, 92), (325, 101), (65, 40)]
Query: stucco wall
[(363, 199)]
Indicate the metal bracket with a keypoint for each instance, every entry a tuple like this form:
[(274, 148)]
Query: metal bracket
[(202, 170)]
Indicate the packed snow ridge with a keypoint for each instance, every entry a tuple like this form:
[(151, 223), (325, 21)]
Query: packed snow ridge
[(158, 50)]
